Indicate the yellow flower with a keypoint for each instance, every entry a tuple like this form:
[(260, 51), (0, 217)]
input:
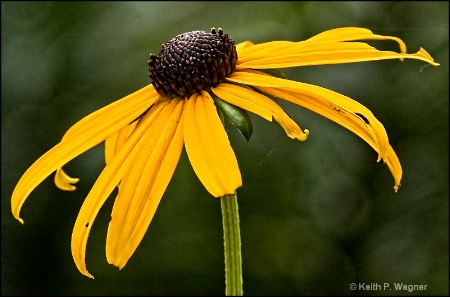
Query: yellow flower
[(145, 132)]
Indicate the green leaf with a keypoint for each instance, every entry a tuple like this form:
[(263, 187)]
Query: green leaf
[(236, 115), (274, 72)]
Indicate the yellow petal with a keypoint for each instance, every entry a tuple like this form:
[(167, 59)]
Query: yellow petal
[(332, 99), (242, 45), (115, 141), (348, 114), (65, 182), (62, 180), (110, 146), (330, 110), (285, 49), (248, 49), (334, 46), (144, 184), (84, 135), (394, 166), (208, 147), (105, 184), (331, 57), (243, 98), (145, 96), (352, 34), (249, 99), (324, 39)]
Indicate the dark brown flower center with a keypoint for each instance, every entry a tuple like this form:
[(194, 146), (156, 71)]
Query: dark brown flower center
[(191, 62)]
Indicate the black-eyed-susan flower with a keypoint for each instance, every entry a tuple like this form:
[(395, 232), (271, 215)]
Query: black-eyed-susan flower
[(196, 78)]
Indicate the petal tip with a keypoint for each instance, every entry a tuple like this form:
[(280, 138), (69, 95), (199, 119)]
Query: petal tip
[(300, 136), (86, 273), (305, 135), (15, 213), (427, 56)]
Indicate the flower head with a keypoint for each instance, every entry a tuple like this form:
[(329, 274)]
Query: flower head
[(197, 78)]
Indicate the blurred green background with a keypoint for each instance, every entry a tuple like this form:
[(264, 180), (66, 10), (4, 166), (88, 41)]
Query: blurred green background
[(316, 216)]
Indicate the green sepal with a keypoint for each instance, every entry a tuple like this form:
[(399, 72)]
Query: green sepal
[(236, 115)]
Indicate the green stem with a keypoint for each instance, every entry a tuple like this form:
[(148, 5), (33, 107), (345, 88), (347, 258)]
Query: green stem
[(232, 243)]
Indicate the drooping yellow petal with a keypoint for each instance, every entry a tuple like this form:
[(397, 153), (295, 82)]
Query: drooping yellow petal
[(144, 184), (350, 116), (336, 107), (208, 147), (335, 100), (112, 145), (332, 111), (249, 99), (394, 166), (64, 181), (115, 141), (105, 184), (146, 95), (84, 135)]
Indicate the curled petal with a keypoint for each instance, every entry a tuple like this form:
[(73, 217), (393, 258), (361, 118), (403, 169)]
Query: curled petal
[(65, 182), (334, 46), (352, 34)]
